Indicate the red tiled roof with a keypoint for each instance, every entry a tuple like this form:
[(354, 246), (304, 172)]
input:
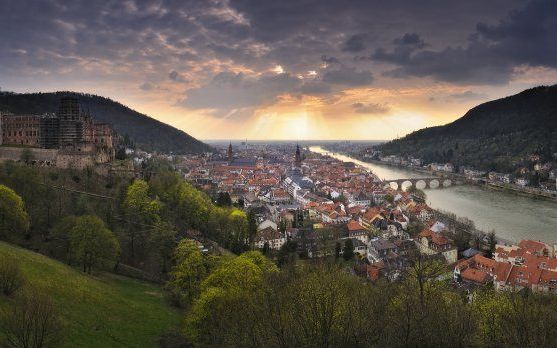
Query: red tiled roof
[(354, 226), (502, 271), (532, 246), (475, 275)]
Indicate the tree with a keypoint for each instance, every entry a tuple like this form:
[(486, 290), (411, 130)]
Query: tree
[(389, 198), (462, 239), (224, 313), (223, 199), (120, 154), (238, 231), (60, 235), (415, 227), (162, 241), (14, 221), (287, 253), (424, 271), (191, 269), (26, 156), (417, 192), (92, 243), (32, 321), (491, 243), (140, 210), (348, 252), (252, 227), (477, 239), (11, 278)]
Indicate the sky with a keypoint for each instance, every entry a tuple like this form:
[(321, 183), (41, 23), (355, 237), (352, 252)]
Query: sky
[(288, 69)]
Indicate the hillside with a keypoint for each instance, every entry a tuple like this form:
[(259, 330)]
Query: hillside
[(98, 311), (146, 132), (492, 136)]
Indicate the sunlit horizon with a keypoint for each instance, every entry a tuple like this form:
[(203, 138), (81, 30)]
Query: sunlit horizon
[(233, 70)]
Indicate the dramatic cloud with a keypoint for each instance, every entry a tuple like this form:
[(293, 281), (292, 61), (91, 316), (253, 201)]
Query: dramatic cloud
[(228, 90), (315, 88), (220, 56), (148, 86), (370, 108), (404, 47), (347, 76), (176, 76), (526, 37), (355, 43)]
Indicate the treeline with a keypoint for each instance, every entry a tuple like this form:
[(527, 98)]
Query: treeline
[(113, 223), (246, 301), (496, 135)]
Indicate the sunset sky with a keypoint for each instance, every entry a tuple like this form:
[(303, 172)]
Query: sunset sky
[(283, 69)]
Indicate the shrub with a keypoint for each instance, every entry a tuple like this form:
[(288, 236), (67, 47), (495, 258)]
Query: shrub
[(11, 278), (32, 321)]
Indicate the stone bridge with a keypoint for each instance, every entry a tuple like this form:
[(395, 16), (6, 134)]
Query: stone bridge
[(421, 183)]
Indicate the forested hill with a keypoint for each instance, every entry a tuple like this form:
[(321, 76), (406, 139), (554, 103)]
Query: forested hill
[(146, 132), (492, 136)]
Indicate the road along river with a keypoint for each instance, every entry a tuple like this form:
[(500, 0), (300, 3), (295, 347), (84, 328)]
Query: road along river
[(513, 217)]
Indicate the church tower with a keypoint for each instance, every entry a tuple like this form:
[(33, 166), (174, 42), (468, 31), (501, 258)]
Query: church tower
[(230, 155), (298, 160)]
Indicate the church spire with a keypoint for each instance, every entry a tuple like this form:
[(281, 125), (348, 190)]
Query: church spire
[(298, 160), (230, 152)]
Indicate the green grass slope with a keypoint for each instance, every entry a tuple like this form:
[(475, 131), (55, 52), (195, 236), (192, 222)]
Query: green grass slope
[(98, 311)]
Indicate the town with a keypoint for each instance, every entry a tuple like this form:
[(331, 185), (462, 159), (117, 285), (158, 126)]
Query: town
[(323, 207), (243, 173), (311, 203)]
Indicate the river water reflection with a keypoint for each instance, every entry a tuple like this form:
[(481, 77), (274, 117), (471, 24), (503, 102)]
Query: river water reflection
[(513, 217)]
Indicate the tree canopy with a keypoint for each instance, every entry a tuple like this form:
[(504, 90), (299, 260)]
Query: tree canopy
[(14, 221), (91, 242)]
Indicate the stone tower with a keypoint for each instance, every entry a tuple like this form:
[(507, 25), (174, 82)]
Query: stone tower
[(230, 155), (71, 123)]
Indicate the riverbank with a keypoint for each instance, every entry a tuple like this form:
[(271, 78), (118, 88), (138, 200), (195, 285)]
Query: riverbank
[(510, 188), (514, 217), (521, 191)]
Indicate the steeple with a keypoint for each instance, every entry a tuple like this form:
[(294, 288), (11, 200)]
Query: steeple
[(298, 160), (230, 152)]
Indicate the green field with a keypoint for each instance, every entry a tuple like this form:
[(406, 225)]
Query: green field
[(104, 310)]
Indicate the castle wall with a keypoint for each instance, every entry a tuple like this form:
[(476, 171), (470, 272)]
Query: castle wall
[(70, 139), (42, 156), (22, 130)]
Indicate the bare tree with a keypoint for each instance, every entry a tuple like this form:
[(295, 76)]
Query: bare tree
[(31, 322), (11, 278)]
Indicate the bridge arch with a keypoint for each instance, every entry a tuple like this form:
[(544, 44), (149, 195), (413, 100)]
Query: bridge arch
[(421, 184), (394, 185), (447, 182), (434, 184), (405, 185)]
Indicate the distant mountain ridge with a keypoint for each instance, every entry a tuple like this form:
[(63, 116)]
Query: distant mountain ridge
[(146, 132), (492, 136)]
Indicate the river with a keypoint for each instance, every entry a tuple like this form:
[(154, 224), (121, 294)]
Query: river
[(513, 217)]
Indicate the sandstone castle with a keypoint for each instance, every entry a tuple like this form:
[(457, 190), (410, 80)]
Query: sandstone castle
[(68, 139)]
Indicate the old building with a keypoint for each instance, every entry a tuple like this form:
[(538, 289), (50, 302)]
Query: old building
[(78, 140), (99, 134), (71, 121), (49, 132), (21, 130)]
